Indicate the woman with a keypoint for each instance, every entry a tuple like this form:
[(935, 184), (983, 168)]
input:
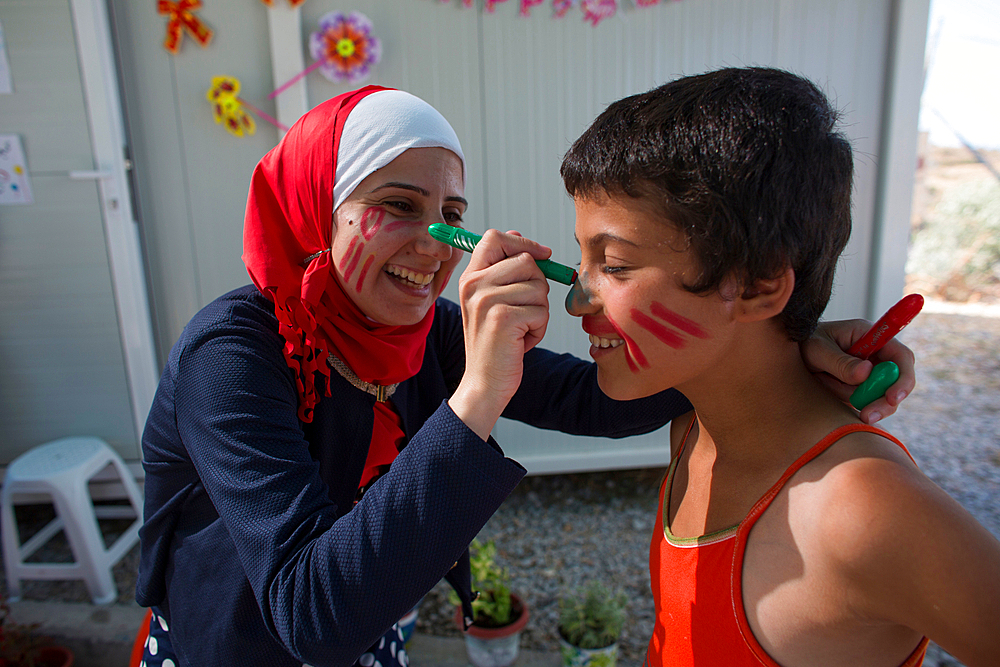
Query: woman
[(276, 532)]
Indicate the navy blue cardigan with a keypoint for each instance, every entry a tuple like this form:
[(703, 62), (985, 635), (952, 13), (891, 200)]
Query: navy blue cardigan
[(252, 547)]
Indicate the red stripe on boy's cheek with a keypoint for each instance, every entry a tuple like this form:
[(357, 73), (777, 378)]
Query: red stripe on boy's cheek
[(689, 327), (364, 271), (371, 221), (669, 337), (353, 264), (632, 350)]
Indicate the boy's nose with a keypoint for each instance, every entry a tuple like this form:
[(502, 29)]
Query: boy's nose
[(578, 300)]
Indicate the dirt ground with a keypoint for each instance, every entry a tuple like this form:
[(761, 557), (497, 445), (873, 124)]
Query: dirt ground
[(942, 172)]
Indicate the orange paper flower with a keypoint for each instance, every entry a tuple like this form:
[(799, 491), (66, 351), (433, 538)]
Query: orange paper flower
[(182, 19)]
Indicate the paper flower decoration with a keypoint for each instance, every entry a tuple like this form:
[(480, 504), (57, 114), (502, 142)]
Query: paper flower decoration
[(596, 11), (560, 7), (293, 3), (344, 46), (490, 5), (227, 107), (182, 19), (526, 6)]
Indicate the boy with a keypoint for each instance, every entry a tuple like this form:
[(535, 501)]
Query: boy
[(711, 213)]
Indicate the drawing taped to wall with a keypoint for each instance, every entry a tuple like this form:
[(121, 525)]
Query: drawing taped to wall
[(15, 187)]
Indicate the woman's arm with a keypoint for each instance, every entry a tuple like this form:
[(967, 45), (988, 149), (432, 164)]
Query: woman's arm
[(328, 582)]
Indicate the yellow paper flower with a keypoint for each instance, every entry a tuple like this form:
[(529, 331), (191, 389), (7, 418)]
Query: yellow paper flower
[(227, 106)]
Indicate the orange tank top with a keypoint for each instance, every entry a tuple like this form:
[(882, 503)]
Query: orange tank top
[(697, 583)]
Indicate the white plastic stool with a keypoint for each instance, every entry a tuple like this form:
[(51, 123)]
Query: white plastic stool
[(62, 469)]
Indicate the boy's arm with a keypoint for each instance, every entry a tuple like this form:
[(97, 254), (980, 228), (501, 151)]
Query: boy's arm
[(824, 355), (913, 556)]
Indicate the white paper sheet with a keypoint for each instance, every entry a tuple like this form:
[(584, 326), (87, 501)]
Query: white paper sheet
[(15, 187)]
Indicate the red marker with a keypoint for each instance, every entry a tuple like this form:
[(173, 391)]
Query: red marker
[(891, 324)]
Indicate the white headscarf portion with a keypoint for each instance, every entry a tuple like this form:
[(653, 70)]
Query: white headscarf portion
[(379, 129)]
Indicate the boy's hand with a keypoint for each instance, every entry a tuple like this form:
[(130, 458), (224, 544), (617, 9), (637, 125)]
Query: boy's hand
[(505, 311), (841, 373)]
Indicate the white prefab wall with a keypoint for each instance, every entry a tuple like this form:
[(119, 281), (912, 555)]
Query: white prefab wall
[(518, 91)]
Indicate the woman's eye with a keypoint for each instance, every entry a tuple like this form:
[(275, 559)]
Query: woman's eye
[(453, 218), (401, 206), (612, 270)]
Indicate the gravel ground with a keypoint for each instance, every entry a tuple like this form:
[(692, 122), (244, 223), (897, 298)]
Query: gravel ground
[(556, 532)]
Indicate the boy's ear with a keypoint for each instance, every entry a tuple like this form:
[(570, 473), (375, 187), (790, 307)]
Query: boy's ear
[(765, 299)]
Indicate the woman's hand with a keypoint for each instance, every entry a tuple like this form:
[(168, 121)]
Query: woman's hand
[(505, 310), (824, 355)]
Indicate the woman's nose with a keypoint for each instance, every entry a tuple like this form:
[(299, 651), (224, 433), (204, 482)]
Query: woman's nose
[(579, 300), (428, 245)]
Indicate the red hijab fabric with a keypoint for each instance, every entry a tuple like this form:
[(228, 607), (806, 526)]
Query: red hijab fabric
[(287, 236)]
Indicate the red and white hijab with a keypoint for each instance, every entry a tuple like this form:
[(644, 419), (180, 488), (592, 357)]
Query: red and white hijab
[(288, 230)]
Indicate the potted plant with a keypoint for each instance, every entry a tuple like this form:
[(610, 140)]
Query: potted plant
[(499, 616), (20, 646), (590, 623)]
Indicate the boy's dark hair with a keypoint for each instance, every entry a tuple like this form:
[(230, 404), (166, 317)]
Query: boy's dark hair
[(747, 162)]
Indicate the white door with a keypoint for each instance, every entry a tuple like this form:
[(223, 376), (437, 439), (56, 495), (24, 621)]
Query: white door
[(76, 351)]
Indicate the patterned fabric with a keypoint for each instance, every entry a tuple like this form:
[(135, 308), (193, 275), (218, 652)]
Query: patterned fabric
[(697, 583), (389, 651)]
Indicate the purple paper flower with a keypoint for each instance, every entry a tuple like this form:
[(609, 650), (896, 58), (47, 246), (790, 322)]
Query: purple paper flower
[(345, 46)]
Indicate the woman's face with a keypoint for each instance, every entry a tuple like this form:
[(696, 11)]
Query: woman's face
[(383, 256)]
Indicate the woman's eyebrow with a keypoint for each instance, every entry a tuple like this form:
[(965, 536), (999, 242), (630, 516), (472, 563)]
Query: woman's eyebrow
[(419, 190)]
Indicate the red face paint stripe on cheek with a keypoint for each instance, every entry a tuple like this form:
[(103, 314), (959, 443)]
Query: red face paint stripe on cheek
[(396, 224), (371, 222), (353, 264), (364, 271), (631, 350), (669, 337), (684, 324), (347, 255)]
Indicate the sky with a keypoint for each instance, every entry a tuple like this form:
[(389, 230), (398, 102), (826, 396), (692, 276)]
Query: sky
[(962, 82)]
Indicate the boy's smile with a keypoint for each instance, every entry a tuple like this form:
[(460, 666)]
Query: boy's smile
[(633, 264)]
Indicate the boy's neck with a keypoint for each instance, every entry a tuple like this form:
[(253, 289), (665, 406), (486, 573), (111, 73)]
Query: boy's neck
[(761, 404)]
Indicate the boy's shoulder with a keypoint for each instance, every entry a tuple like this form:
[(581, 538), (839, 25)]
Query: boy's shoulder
[(858, 495)]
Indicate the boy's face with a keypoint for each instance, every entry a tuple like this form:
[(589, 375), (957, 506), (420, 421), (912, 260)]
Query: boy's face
[(647, 332)]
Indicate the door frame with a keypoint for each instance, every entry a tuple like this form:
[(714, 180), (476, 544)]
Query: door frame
[(99, 76)]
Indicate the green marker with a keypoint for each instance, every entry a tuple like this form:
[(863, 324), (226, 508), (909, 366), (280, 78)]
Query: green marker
[(459, 238), (881, 378)]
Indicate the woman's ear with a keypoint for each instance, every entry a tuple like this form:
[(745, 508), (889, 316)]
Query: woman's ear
[(765, 299)]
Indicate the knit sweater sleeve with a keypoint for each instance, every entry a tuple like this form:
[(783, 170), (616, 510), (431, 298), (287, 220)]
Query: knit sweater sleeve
[(328, 581)]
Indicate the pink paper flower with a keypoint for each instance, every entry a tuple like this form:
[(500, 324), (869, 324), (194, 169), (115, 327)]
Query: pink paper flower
[(560, 7), (345, 46), (526, 6), (596, 11)]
